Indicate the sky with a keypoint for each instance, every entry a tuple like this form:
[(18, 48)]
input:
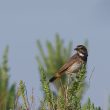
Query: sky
[(22, 22)]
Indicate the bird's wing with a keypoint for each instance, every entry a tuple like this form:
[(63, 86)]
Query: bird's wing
[(67, 64)]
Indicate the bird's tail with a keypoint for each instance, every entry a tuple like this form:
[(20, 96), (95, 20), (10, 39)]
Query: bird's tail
[(54, 78)]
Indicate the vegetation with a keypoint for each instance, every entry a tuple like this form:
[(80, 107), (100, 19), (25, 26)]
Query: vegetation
[(67, 96), (7, 94), (67, 93)]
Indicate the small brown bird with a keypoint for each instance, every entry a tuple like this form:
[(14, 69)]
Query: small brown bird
[(74, 64)]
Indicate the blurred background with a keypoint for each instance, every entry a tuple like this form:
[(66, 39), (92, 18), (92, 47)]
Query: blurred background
[(23, 22)]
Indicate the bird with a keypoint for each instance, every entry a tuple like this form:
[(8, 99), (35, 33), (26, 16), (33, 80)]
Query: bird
[(73, 64)]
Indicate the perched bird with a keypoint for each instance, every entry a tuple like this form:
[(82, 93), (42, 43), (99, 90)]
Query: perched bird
[(74, 64)]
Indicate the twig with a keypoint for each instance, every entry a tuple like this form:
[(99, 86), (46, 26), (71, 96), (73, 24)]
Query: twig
[(91, 75)]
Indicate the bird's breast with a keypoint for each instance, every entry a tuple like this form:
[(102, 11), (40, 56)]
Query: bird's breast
[(74, 68)]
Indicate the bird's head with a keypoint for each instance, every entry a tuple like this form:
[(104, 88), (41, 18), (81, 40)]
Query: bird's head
[(81, 50)]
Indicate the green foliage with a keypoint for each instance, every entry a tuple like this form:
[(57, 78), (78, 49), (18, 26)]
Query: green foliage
[(56, 57), (69, 99), (49, 97), (69, 92), (23, 93), (25, 103), (7, 94), (90, 106)]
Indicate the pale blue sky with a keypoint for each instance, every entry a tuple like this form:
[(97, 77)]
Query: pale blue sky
[(22, 22)]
